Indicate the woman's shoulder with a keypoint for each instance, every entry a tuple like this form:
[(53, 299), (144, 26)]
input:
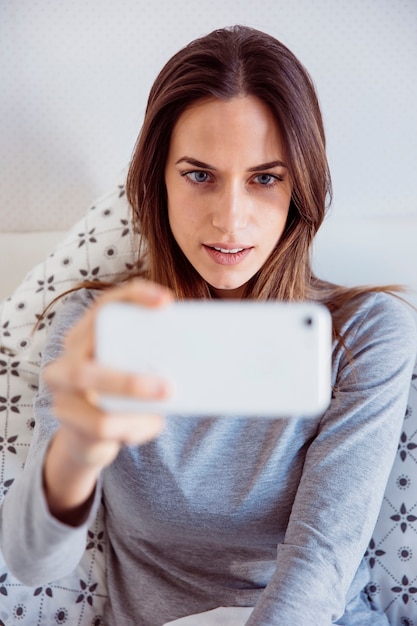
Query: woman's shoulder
[(73, 305), (66, 313), (385, 308), (382, 318)]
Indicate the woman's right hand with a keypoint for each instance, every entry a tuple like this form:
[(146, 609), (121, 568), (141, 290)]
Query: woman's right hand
[(89, 438)]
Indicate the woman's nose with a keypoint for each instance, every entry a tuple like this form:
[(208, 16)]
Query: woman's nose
[(230, 210)]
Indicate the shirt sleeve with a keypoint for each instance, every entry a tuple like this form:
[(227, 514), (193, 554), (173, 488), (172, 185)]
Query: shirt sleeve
[(36, 546), (346, 470)]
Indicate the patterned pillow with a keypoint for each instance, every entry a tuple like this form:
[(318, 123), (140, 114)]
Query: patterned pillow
[(392, 551), (101, 247)]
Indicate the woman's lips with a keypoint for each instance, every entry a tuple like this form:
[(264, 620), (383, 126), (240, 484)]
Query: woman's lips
[(227, 254)]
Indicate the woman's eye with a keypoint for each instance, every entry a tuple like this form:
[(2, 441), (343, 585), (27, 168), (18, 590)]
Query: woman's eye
[(266, 179), (197, 176)]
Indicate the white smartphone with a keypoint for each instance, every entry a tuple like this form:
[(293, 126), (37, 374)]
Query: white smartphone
[(232, 358)]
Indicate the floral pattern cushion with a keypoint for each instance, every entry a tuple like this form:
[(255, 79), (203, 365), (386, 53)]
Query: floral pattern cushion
[(101, 246), (392, 551)]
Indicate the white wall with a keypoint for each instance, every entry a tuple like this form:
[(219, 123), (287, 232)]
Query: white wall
[(74, 76)]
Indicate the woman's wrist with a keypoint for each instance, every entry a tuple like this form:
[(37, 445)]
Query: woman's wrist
[(70, 476)]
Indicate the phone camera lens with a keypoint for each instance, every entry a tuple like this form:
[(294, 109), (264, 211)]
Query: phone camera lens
[(308, 321)]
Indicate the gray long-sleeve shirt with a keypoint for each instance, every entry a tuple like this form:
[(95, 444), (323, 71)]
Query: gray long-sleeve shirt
[(271, 513)]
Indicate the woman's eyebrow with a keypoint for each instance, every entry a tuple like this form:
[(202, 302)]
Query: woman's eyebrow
[(196, 163), (256, 168), (267, 166)]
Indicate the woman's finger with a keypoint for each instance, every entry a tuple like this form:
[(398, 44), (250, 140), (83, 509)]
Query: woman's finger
[(136, 291), (94, 425), (65, 374), (77, 370)]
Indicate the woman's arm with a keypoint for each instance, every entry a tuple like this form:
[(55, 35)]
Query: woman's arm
[(45, 515), (89, 439), (345, 472)]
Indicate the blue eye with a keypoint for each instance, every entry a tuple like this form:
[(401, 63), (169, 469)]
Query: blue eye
[(266, 179), (197, 176)]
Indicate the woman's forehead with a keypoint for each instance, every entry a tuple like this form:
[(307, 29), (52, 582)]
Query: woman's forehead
[(223, 127)]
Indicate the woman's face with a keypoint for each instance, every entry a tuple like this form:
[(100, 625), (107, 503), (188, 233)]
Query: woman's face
[(228, 189)]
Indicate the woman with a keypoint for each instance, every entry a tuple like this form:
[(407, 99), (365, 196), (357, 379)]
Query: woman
[(228, 185)]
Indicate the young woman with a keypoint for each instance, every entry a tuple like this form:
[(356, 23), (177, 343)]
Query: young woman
[(228, 186)]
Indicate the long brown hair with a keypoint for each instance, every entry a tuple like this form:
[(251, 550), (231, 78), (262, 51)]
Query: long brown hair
[(228, 63)]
